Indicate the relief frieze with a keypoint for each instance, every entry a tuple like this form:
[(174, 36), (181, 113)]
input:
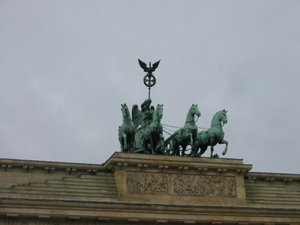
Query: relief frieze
[(179, 184)]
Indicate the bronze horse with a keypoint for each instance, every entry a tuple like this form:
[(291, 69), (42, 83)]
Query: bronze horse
[(126, 131), (151, 136), (212, 136), (186, 135)]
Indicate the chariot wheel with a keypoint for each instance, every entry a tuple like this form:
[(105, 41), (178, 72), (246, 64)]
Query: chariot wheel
[(149, 80)]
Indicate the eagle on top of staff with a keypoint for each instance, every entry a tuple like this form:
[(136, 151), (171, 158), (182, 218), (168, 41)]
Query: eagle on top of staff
[(149, 69), (149, 79)]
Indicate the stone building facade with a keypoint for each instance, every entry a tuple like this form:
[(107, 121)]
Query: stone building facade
[(137, 189)]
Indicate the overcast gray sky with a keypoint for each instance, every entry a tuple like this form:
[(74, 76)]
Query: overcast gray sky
[(67, 66)]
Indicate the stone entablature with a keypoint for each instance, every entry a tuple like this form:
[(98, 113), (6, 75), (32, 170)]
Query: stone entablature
[(68, 212), (173, 179), (139, 188), (47, 166), (273, 190), (175, 164)]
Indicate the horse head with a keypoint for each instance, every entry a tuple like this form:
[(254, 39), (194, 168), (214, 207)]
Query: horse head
[(159, 112), (190, 116), (125, 111), (223, 117), (194, 110), (220, 118)]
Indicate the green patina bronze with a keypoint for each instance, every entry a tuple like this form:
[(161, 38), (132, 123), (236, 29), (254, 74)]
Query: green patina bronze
[(186, 135), (141, 119), (144, 116), (143, 133), (126, 131), (150, 139), (212, 136)]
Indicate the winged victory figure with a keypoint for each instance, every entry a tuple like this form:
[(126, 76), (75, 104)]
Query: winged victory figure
[(144, 116)]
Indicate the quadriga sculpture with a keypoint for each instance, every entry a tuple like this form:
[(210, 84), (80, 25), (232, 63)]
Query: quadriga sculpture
[(212, 136), (186, 135), (151, 136), (126, 131)]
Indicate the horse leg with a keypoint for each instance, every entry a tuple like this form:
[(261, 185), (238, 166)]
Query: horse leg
[(159, 145), (183, 149), (203, 149), (213, 142), (146, 147), (123, 141), (152, 144), (195, 149), (211, 151), (191, 139), (131, 142), (168, 147), (226, 147), (126, 147), (176, 149)]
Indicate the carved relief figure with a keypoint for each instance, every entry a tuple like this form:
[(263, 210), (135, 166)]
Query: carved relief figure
[(140, 183), (178, 184)]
